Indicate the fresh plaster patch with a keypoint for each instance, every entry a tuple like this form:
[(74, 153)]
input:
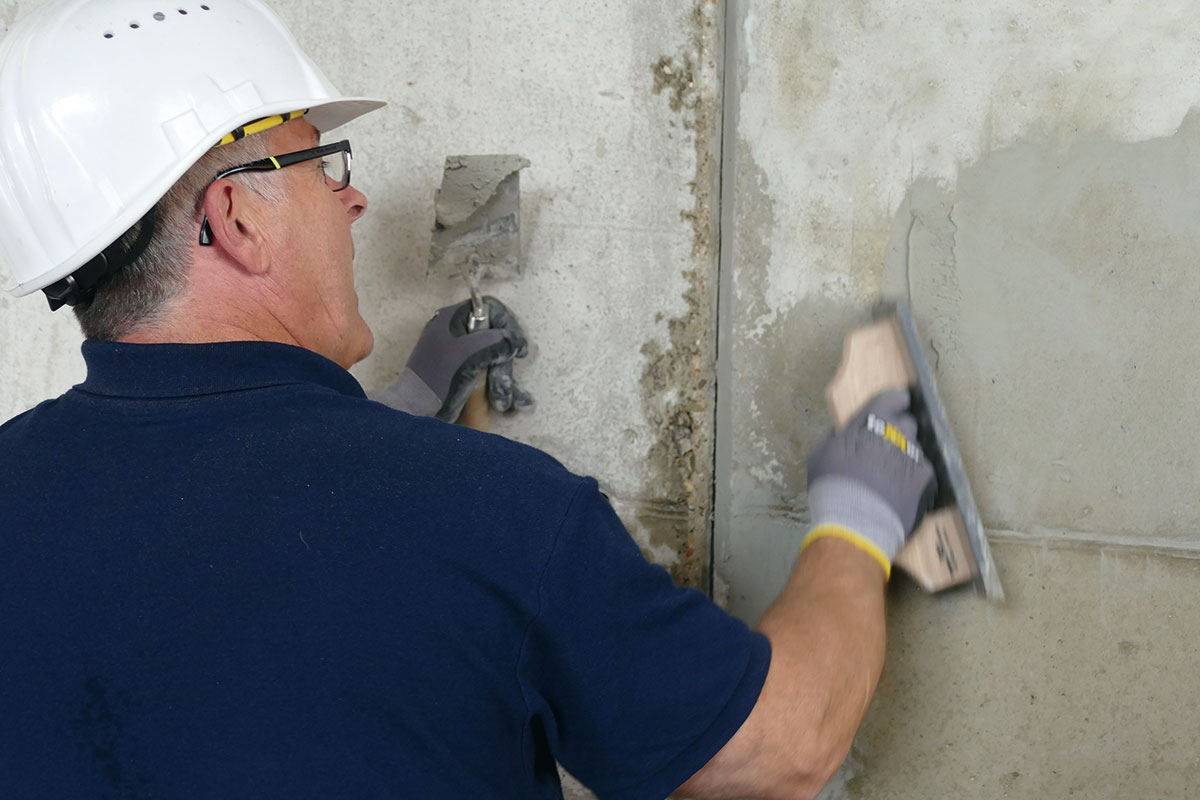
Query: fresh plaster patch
[(1057, 290), (847, 104)]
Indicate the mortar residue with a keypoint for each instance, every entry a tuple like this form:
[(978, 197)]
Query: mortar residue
[(478, 213), (468, 182), (8, 16), (678, 381)]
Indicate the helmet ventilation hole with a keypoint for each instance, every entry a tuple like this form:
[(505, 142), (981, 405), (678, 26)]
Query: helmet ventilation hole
[(159, 16)]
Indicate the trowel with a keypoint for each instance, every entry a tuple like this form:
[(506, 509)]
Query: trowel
[(477, 237), (949, 547)]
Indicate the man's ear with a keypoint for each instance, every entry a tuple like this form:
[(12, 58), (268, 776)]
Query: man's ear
[(236, 216)]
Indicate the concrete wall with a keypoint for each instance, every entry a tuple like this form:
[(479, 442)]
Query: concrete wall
[(1025, 174)]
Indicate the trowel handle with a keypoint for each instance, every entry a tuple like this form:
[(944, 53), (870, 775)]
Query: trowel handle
[(938, 554), (875, 358), (477, 413)]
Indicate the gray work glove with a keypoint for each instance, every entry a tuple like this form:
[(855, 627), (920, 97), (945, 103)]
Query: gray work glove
[(446, 364), (870, 483), (502, 390)]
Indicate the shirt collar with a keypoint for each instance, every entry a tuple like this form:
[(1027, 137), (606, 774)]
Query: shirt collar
[(121, 369)]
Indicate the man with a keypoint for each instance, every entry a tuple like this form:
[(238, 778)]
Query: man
[(226, 573)]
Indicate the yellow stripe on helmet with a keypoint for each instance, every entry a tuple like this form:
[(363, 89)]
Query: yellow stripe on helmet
[(259, 125)]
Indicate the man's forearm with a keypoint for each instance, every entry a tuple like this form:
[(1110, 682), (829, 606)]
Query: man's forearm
[(868, 484), (827, 633)]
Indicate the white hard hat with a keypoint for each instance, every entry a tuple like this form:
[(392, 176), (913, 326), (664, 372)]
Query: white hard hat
[(108, 102)]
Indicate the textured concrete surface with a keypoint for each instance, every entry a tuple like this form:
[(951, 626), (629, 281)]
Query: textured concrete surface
[(1083, 685), (1024, 173)]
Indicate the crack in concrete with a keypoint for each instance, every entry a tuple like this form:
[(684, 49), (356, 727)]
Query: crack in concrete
[(1157, 546), (678, 380)]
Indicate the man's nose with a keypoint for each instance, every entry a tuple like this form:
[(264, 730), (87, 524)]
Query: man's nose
[(354, 201)]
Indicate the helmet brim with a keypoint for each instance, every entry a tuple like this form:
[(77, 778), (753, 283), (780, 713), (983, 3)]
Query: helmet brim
[(336, 113)]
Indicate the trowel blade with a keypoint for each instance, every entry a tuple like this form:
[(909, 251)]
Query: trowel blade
[(938, 441), (478, 213)]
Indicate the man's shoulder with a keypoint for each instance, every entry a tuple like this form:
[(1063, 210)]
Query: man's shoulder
[(388, 426), (375, 436), (20, 423)]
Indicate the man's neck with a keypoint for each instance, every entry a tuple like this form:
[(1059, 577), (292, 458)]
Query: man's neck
[(195, 318)]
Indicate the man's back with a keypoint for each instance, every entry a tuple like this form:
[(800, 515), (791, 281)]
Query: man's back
[(227, 574)]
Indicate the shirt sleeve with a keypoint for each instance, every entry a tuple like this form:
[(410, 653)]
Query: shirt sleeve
[(636, 683)]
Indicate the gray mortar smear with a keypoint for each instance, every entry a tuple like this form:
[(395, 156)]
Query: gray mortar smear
[(1056, 286), (478, 211)]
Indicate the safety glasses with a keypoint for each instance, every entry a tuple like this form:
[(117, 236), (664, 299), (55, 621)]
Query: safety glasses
[(335, 165)]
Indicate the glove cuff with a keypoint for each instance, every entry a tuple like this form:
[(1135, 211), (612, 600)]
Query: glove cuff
[(838, 502), (409, 393)]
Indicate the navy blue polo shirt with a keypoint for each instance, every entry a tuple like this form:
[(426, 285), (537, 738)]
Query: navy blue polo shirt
[(226, 573)]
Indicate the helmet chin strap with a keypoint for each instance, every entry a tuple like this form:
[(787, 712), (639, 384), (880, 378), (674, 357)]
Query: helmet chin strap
[(78, 288)]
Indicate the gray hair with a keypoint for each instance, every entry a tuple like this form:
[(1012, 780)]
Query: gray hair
[(140, 293)]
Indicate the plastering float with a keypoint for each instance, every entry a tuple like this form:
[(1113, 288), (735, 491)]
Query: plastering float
[(949, 547)]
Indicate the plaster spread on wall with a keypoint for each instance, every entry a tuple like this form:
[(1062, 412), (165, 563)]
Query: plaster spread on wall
[(677, 381), (840, 117), (851, 136), (1055, 286)]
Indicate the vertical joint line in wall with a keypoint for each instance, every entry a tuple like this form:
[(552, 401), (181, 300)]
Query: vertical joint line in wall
[(727, 31)]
